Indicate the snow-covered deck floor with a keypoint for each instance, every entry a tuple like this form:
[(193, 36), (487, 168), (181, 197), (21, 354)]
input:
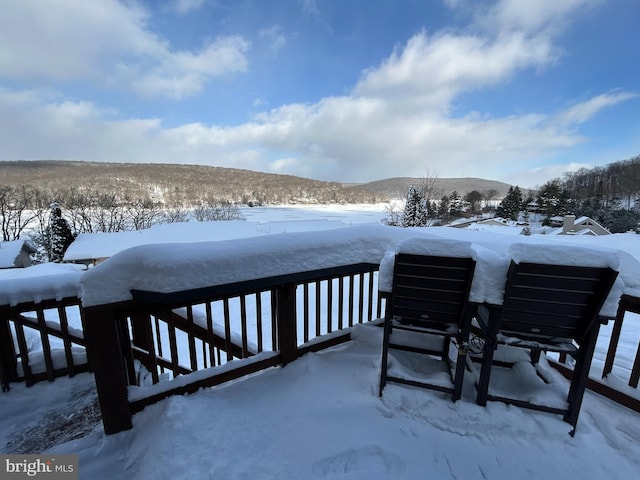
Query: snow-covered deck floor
[(320, 417)]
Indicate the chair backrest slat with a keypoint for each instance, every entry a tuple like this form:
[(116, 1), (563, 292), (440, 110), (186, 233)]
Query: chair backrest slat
[(555, 300), (431, 288)]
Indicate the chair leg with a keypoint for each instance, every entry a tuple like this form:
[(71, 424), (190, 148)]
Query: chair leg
[(461, 364), (490, 346), (535, 356), (385, 354), (485, 372), (579, 380)]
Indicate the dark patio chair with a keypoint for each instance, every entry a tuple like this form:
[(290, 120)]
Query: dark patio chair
[(428, 308), (551, 308)]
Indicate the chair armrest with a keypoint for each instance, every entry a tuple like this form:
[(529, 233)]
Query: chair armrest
[(484, 312)]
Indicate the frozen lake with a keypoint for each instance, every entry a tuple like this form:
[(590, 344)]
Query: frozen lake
[(350, 214)]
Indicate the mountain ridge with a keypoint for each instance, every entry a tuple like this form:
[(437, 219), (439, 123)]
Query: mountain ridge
[(187, 184)]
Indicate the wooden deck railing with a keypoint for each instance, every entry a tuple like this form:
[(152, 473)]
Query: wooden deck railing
[(162, 344), (229, 331), (37, 343)]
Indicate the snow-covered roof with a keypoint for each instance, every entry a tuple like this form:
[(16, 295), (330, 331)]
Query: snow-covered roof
[(9, 251), (501, 228), (39, 282), (91, 246)]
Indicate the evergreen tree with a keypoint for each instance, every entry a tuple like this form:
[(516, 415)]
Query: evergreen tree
[(553, 199), (422, 217), (511, 205), (410, 207), (59, 235), (416, 208), (443, 207), (455, 209)]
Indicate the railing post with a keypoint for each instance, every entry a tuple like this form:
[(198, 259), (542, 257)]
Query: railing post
[(102, 332), (8, 364), (286, 322)]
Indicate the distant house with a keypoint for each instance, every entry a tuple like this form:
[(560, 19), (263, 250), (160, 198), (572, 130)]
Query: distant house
[(16, 254), (497, 224), (579, 226)]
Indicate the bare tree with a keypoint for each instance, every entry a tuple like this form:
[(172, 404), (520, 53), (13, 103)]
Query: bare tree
[(143, 214), (489, 195), (429, 187), (16, 212), (473, 198), (175, 215)]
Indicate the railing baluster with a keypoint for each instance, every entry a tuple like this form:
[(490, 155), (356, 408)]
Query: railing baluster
[(191, 339), (259, 320), (351, 282), (23, 350), (243, 326), (46, 346), (274, 323), (305, 309), (64, 330), (173, 345), (318, 299), (360, 297), (227, 329), (341, 303), (371, 295), (329, 305), (209, 315), (158, 339)]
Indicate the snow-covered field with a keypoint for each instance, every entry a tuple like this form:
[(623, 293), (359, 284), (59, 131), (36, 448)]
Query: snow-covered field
[(320, 417)]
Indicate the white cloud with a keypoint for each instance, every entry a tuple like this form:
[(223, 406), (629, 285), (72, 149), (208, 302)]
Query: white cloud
[(310, 7), (584, 111), (106, 42), (275, 36), (396, 121), (434, 69), (531, 16), (181, 74), (183, 7)]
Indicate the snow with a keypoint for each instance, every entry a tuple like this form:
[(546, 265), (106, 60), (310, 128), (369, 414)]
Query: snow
[(321, 417), (39, 282), (9, 251), (91, 246), (259, 221), (174, 267)]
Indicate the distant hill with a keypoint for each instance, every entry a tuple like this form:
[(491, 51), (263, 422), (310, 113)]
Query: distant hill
[(180, 184), (187, 184), (397, 187)]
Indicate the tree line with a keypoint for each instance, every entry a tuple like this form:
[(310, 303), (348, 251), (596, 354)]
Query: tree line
[(608, 194), (426, 205), (51, 219)]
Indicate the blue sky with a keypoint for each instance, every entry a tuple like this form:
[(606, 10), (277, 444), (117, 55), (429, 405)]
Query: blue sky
[(353, 90)]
